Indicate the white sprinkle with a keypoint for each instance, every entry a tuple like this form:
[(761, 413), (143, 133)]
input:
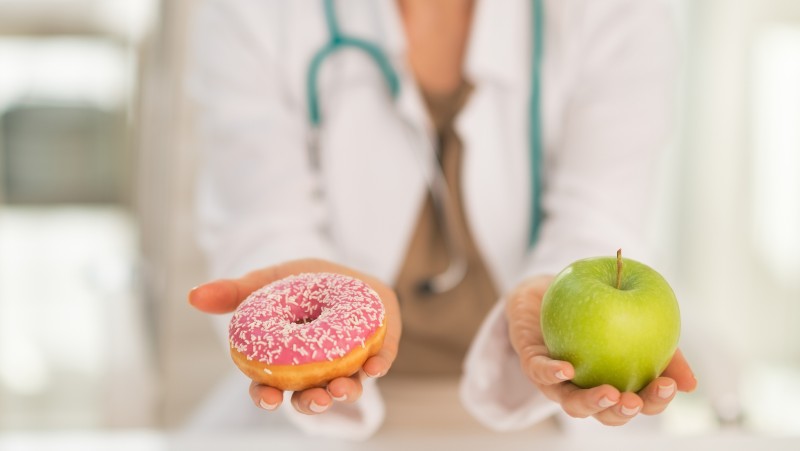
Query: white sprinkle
[(346, 305)]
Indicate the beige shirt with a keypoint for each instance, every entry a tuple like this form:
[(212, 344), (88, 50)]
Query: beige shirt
[(438, 328)]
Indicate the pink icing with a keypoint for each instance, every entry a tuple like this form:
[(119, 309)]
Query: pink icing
[(312, 317)]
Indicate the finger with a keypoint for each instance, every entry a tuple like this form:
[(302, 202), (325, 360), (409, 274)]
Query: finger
[(345, 389), (524, 330), (657, 395), (312, 401), (581, 403), (379, 364), (265, 397), (680, 371), (522, 312), (543, 370), (220, 296), (628, 406), (224, 295)]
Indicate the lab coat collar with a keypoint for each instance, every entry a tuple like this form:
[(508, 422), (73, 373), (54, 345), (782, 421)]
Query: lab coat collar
[(494, 53), (395, 38), (410, 103), (499, 53)]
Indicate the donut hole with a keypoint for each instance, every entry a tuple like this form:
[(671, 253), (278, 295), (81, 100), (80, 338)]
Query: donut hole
[(306, 314)]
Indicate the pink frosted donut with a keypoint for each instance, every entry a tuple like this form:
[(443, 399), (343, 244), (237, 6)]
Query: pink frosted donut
[(307, 329)]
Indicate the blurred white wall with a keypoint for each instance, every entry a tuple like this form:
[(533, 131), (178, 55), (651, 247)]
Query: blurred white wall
[(725, 193), (735, 248), (74, 339)]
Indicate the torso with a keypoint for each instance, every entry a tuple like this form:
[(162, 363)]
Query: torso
[(439, 327)]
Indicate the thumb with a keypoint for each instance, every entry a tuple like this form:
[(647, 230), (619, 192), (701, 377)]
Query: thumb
[(219, 296)]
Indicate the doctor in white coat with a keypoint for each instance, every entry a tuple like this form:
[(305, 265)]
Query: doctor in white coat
[(606, 75)]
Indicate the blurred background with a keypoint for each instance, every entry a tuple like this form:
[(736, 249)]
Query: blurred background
[(97, 254)]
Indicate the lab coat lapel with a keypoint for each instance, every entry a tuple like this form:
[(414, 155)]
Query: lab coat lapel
[(494, 127), (410, 104), (499, 42), (407, 141)]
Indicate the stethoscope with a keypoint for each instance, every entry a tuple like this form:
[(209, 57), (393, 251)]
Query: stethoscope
[(442, 202)]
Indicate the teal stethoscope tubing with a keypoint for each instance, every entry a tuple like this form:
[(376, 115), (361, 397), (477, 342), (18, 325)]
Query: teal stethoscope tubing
[(535, 126), (338, 41)]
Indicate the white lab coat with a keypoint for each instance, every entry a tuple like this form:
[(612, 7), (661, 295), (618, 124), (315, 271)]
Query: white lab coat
[(607, 87)]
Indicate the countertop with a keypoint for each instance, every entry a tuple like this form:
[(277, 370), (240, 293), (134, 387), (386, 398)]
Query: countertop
[(425, 417)]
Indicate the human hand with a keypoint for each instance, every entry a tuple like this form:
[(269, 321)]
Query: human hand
[(605, 403), (223, 296)]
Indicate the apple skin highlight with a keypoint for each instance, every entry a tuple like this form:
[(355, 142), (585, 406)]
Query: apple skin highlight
[(624, 337)]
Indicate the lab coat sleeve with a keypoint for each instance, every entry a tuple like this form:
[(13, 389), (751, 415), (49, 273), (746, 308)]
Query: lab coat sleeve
[(597, 182), (357, 421), (258, 201), (599, 179), (494, 389)]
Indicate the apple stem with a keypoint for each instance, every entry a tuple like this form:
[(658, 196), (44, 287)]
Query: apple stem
[(619, 268)]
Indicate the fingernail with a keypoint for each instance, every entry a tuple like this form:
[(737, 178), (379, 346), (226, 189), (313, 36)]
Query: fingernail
[(561, 376), (316, 408), (606, 402), (336, 398), (627, 411), (264, 405), (373, 375), (665, 391)]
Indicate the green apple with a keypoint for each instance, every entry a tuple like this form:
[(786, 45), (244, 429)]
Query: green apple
[(615, 320)]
